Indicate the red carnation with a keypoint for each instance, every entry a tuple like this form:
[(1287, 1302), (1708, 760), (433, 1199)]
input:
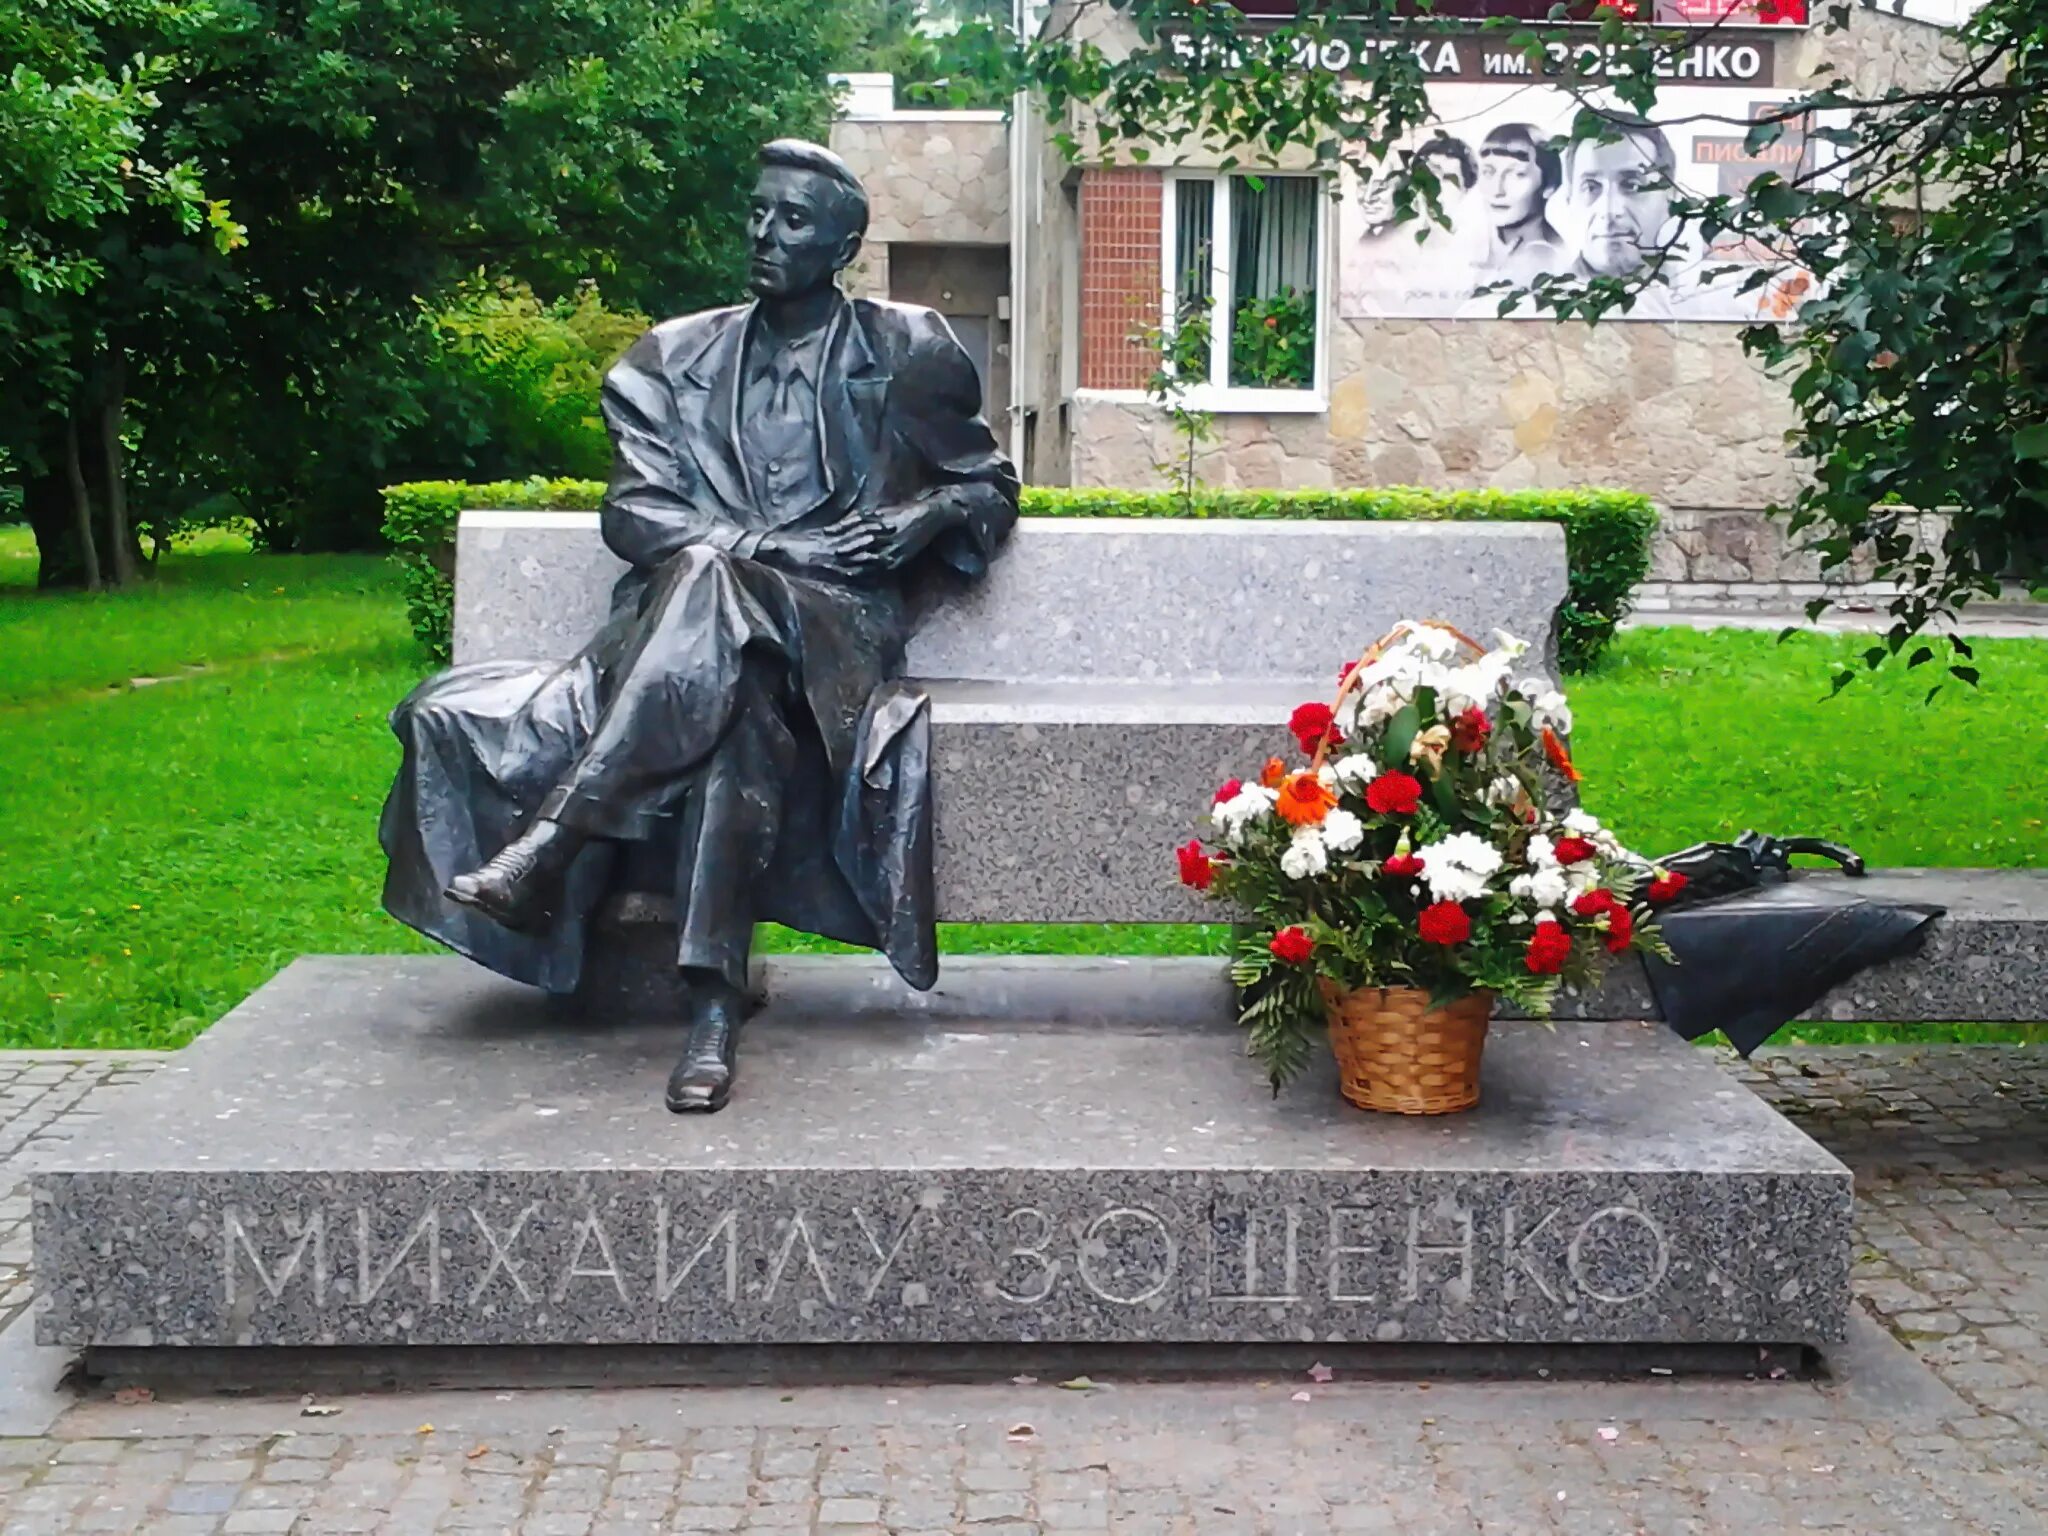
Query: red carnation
[(1621, 928), (1292, 945), (1394, 794), (1549, 947), (1593, 903), (1196, 867), (1470, 730), (1311, 724), (1344, 673), (1230, 790), (1444, 923), (1403, 865), (1574, 850), (1666, 888)]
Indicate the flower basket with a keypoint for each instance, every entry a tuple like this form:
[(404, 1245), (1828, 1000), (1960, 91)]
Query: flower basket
[(1398, 1053), (1413, 870)]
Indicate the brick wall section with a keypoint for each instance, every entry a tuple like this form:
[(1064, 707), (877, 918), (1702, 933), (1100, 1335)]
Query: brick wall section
[(1120, 288)]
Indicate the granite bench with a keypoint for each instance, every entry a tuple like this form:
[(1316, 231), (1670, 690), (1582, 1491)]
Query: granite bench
[(1162, 657), (1104, 678)]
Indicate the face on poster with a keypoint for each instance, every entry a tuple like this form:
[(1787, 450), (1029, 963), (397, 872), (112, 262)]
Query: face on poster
[(1521, 200)]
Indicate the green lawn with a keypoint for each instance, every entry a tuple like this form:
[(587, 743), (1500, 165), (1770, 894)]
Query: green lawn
[(190, 775)]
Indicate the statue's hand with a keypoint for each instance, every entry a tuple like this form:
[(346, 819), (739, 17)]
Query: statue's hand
[(909, 529), (853, 548)]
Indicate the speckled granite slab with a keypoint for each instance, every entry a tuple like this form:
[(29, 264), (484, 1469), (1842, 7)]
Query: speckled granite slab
[(1082, 598), (406, 1150), (1983, 962)]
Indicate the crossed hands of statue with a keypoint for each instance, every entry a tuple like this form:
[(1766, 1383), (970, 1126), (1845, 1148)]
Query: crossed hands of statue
[(860, 545)]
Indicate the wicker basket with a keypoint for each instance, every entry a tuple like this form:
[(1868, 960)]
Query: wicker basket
[(1398, 1054)]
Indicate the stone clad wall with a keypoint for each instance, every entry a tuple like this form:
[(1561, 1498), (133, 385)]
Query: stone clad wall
[(932, 178), (1676, 412)]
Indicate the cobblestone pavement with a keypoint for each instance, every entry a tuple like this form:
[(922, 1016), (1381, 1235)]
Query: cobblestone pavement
[(1946, 1430)]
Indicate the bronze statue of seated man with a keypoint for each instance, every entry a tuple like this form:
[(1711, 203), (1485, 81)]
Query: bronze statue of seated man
[(786, 472)]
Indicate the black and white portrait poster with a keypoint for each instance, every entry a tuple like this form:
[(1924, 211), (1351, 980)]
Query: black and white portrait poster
[(1522, 200)]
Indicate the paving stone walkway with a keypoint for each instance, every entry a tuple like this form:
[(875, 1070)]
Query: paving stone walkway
[(1938, 1420)]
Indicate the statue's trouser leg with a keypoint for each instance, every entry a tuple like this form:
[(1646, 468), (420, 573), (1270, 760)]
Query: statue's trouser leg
[(674, 690), (732, 817)]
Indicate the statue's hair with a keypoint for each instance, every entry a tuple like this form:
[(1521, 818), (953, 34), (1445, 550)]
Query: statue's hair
[(802, 155)]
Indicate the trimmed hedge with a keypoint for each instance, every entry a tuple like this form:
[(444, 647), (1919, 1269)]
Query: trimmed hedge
[(1606, 533)]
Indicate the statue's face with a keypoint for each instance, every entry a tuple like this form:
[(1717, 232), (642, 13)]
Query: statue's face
[(800, 232)]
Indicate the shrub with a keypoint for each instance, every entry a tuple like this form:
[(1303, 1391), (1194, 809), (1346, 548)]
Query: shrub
[(1606, 534), (420, 518)]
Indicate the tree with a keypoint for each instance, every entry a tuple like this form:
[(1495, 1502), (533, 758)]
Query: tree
[(944, 53), (378, 154), (1913, 246), (86, 153)]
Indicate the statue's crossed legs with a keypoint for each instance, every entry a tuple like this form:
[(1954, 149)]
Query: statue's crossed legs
[(711, 743)]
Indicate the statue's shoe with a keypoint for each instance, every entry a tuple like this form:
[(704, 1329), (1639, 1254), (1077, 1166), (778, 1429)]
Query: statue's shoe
[(519, 888), (703, 1079)]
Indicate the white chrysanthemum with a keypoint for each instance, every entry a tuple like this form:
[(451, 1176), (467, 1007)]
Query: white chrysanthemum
[(1581, 822), (1457, 868), (1241, 810), (1545, 917), (1542, 852), (1355, 770), (1507, 645), (1327, 776), (1305, 856), (1581, 878), (1342, 831), (1544, 887)]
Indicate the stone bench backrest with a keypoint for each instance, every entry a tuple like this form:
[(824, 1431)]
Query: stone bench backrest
[(1097, 599)]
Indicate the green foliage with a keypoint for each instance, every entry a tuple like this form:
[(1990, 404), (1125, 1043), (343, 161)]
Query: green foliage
[(380, 153), (1904, 258), (1273, 342), (1606, 533), (1181, 360), (419, 523), (943, 53), (522, 375)]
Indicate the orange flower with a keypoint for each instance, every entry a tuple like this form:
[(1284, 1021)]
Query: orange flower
[(1272, 773), (1305, 800), (1559, 758)]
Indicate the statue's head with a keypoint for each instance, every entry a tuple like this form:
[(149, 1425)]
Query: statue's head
[(809, 214)]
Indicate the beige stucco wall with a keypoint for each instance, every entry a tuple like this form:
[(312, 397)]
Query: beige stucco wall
[(932, 178), (1674, 410)]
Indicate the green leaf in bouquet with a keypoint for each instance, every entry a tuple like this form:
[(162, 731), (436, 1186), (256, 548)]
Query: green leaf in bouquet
[(1402, 731), (1282, 1021), (1444, 790)]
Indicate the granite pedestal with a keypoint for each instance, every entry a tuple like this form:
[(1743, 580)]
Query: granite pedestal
[(406, 1151)]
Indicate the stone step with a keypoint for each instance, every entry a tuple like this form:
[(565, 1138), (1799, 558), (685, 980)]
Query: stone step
[(399, 1151), (1132, 598)]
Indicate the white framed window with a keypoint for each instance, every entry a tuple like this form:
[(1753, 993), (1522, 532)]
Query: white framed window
[(1242, 265)]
